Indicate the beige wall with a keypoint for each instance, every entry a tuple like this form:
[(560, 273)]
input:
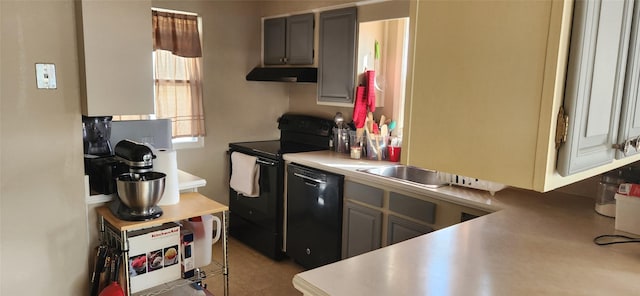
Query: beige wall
[(236, 109), (43, 229), (43, 218)]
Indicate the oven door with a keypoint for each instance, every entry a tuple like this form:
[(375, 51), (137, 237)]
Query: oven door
[(266, 209)]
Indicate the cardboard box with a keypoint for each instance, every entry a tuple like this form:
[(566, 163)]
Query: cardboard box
[(628, 213), (188, 263), (629, 189), (154, 256)]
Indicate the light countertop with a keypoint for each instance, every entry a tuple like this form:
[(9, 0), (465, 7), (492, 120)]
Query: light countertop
[(532, 244)]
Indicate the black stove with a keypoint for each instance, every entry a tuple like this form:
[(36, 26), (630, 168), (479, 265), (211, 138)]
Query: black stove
[(268, 149), (259, 221)]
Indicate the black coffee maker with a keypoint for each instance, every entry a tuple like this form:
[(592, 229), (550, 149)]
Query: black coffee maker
[(99, 160), (96, 132)]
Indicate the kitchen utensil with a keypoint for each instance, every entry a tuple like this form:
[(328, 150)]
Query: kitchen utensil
[(338, 119), (378, 139), (359, 134), (392, 125), (114, 288), (369, 135), (382, 121), (98, 268), (384, 130)]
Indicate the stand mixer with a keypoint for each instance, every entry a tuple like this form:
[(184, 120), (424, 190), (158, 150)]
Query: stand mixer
[(140, 189)]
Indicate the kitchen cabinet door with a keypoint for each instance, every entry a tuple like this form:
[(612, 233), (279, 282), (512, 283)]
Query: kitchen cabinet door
[(485, 83), (274, 31), (289, 40), (336, 60), (399, 229), (595, 83), (629, 131), (115, 46), (300, 39), (362, 228)]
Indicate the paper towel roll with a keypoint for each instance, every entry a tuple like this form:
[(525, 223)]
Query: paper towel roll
[(166, 162)]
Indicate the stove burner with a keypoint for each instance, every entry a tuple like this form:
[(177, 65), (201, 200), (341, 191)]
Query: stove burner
[(122, 212)]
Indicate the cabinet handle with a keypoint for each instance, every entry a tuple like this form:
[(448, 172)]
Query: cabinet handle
[(627, 145), (285, 60)]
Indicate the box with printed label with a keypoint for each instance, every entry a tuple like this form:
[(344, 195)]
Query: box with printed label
[(188, 264), (154, 256), (627, 209), (629, 189)]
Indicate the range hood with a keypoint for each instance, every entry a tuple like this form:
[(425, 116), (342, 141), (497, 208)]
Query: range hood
[(284, 74)]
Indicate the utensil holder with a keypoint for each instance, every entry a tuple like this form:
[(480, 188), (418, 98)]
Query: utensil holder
[(377, 147)]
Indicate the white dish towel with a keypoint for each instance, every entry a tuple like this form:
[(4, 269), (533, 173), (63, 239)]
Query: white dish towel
[(245, 174)]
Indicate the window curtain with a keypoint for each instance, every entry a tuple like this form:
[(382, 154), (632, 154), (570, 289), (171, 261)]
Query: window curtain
[(178, 92), (178, 73), (177, 33)]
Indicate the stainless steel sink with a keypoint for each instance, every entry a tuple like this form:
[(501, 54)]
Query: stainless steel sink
[(427, 178)]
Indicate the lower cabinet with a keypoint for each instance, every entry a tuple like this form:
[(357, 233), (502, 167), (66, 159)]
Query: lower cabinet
[(399, 229), (375, 216), (362, 228)]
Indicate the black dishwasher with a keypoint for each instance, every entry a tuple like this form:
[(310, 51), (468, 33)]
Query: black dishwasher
[(314, 216)]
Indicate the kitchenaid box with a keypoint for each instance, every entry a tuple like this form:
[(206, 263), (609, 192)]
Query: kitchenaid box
[(154, 256)]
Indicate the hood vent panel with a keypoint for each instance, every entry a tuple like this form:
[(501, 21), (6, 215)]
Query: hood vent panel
[(282, 74)]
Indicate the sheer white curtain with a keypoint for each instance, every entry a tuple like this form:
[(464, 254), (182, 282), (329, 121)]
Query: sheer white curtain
[(178, 92)]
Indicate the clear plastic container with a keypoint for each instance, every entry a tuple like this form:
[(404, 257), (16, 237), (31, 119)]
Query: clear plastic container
[(341, 140), (606, 191), (202, 228), (377, 147)]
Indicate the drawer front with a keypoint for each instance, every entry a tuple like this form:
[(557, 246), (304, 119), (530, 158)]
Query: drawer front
[(412, 207), (363, 193)]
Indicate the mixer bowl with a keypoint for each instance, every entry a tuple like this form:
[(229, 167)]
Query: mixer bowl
[(140, 191)]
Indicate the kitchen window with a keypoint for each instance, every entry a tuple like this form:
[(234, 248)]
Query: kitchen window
[(177, 63)]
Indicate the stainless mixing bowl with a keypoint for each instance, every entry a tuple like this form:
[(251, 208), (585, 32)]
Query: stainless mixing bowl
[(140, 192)]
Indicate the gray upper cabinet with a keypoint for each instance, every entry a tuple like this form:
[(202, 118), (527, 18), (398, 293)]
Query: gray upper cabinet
[(274, 31), (336, 60), (629, 133), (300, 39), (289, 40), (595, 83)]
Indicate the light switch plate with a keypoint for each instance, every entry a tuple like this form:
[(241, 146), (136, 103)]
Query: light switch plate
[(46, 76)]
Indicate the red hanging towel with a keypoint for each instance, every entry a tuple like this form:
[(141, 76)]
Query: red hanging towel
[(360, 107), (371, 90)]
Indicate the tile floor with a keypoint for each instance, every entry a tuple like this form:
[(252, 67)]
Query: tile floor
[(251, 273)]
